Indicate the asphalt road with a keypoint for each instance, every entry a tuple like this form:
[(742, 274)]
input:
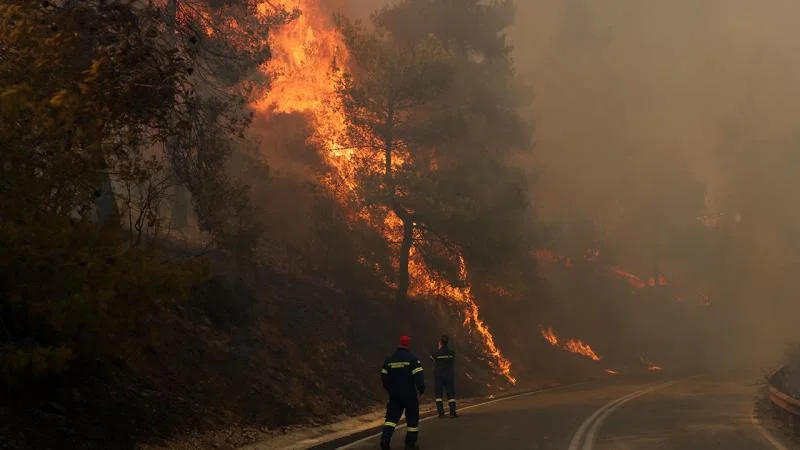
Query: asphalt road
[(652, 412)]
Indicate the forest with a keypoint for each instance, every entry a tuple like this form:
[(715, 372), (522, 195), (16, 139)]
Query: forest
[(205, 205)]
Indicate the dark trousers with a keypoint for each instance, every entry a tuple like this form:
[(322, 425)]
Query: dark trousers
[(442, 384), (394, 410)]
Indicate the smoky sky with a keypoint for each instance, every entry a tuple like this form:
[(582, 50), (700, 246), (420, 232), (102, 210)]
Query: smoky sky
[(624, 87), (635, 100)]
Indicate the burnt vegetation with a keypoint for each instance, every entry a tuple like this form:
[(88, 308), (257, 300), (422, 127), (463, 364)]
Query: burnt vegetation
[(150, 254), (176, 256)]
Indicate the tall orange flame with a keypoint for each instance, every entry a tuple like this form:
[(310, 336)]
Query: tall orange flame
[(424, 283), (307, 55)]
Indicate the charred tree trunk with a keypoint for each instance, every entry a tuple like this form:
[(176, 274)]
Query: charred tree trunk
[(172, 13), (403, 280), (180, 194), (105, 203)]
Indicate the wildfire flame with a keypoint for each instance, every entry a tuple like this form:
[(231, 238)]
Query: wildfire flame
[(308, 54), (632, 279), (550, 336), (572, 345), (651, 366), (581, 348), (546, 256)]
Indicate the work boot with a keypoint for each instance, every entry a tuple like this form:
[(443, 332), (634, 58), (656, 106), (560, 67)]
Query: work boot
[(453, 415), (441, 415), (385, 445)]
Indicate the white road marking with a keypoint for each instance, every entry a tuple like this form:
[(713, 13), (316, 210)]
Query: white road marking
[(766, 433), (595, 421), (541, 391)]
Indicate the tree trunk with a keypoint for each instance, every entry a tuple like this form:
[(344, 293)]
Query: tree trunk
[(105, 202), (180, 208), (180, 196), (172, 12), (403, 280)]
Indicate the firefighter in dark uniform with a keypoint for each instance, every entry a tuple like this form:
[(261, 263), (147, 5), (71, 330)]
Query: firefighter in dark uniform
[(444, 377), (402, 378)]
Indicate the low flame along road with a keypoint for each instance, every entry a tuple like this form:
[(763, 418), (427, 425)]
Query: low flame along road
[(648, 411), (571, 345)]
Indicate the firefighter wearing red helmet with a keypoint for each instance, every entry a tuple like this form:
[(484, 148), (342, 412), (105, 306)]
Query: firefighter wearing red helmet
[(402, 379)]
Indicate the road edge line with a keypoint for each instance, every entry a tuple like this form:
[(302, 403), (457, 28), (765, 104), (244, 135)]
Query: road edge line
[(591, 436), (591, 421), (489, 402), (575, 443)]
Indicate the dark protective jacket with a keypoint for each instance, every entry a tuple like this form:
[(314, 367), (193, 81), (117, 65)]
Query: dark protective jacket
[(444, 362), (401, 374)]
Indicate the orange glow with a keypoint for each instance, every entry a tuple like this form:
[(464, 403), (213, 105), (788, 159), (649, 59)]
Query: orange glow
[(500, 291), (308, 56), (572, 345), (637, 282), (424, 283), (651, 366), (550, 336), (581, 348), (632, 279), (546, 256)]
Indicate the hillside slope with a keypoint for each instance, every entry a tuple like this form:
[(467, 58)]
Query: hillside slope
[(287, 352)]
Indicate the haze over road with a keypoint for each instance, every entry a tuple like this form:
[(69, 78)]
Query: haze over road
[(652, 412)]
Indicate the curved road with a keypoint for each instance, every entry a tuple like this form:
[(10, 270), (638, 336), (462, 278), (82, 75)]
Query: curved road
[(649, 412)]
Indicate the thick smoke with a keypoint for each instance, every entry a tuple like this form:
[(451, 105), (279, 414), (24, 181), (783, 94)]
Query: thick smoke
[(647, 116), (636, 101)]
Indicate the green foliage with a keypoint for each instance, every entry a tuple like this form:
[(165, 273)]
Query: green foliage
[(229, 38), (68, 288), (443, 97), (227, 42), (86, 89)]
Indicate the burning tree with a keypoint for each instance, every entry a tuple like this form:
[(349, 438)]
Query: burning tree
[(477, 196), (349, 83), (387, 101), (432, 117), (227, 42)]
